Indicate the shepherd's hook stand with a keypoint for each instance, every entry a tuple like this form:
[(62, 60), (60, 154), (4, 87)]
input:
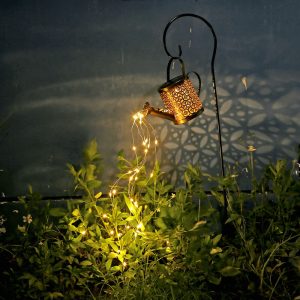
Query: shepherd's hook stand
[(224, 214)]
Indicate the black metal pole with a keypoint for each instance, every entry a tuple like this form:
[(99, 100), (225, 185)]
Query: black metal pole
[(212, 65)]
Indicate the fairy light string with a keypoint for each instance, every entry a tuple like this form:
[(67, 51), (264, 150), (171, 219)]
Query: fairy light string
[(144, 142)]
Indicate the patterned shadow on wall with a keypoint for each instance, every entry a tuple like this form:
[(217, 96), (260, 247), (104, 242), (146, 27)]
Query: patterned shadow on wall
[(252, 113)]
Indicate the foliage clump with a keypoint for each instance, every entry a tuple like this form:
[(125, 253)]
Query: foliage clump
[(148, 241)]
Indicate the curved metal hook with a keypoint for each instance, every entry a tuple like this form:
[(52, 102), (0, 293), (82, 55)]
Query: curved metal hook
[(179, 46)]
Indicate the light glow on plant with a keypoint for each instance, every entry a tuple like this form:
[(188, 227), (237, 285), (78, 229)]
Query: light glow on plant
[(144, 142)]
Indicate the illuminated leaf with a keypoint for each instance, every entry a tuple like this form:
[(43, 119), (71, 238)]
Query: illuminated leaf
[(108, 264), (97, 196), (130, 205), (112, 255), (86, 263), (76, 212)]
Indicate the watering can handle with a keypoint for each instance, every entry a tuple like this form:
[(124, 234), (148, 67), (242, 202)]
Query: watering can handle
[(169, 66), (199, 80), (183, 72)]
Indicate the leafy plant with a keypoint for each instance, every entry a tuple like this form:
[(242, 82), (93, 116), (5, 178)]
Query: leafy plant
[(147, 240), (265, 235)]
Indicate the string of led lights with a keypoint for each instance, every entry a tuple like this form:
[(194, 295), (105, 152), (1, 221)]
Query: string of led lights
[(143, 141)]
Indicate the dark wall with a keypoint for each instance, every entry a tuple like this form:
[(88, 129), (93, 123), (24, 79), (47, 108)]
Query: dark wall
[(74, 70)]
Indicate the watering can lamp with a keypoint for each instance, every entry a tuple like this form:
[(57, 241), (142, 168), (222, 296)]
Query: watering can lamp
[(181, 100)]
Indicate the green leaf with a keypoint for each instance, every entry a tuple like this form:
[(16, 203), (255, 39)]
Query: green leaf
[(230, 271), (97, 196), (76, 212), (55, 295), (93, 184), (86, 263), (114, 246), (216, 239), (108, 264), (130, 205), (57, 212), (130, 274), (214, 280), (91, 151), (112, 255)]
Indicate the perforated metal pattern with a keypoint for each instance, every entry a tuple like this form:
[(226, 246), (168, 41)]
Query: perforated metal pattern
[(181, 100)]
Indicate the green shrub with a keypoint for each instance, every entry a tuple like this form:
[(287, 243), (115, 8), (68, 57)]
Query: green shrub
[(148, 241)]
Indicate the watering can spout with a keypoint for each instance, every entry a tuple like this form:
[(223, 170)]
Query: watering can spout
[(158, 112), (166, 114)]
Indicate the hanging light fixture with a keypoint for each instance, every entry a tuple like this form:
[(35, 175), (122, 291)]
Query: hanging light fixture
[(181, 100)]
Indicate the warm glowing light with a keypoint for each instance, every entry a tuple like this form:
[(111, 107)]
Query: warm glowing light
[(127, 227), (119, 234), (104, 216), (112, 232), (139, 226), (136, 204), (124, 264), (138, 116), (83, 232), (142, 133)]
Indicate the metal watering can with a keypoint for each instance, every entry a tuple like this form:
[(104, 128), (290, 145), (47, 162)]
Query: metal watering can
[(181, 100)]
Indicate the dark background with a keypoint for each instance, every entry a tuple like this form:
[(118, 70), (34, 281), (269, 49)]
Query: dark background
[(74, 70)]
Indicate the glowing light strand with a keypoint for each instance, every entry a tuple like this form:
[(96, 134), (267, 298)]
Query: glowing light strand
[(143, 140)]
